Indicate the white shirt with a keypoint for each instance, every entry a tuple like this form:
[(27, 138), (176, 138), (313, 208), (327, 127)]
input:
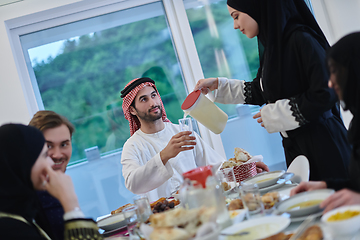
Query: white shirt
[(145, 173)]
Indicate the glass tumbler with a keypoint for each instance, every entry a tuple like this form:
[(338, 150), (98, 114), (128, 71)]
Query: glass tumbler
[(186, 125), (143, 207), (250, 196), (133, 223)]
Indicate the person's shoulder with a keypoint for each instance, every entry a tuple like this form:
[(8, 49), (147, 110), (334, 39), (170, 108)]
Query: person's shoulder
[(303, 37), (132, 140), (300, 35), (303, 42)]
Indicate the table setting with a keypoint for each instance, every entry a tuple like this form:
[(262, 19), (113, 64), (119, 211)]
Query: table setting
[(214, 205)]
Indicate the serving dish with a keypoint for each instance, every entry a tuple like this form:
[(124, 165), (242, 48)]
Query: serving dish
[(115, 221), (303, 204), (265, 179)]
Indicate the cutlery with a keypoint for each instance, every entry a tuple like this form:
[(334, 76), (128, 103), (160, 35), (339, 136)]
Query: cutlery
[(235, 234)]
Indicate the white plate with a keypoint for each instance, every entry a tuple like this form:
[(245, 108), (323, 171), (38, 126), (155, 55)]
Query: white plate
[(112, 222), (265, 179), (272, 187), (316, 195), (262, 227), (282, 180)]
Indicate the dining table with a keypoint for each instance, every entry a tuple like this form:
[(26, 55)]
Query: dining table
[(284, 192)]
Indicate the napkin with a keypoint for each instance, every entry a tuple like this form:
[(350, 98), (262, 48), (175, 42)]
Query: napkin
[(257, 158)]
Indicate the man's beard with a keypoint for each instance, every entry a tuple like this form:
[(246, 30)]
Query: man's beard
[(146, 116)]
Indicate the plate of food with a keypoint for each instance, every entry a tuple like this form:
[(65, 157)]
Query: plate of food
[(257, 228), (305, 203), (163, 204), (181, 223), (269, 200), (343, 220), (265, 179), (284, 179)]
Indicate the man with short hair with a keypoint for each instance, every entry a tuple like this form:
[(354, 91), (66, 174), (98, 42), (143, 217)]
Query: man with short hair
[(57, 131), (156, 155)]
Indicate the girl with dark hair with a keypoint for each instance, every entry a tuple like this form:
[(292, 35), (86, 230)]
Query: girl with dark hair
[(24, 168), (291, 81), (344, 61)]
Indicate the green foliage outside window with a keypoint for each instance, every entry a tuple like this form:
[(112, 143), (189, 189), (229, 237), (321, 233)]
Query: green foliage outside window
[(84, 82)]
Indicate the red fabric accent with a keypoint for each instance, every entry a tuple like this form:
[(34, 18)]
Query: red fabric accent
[(245, 171), (134, 123)]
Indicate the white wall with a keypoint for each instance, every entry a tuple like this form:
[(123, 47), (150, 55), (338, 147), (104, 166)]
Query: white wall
[(337, 18), (13, 107)]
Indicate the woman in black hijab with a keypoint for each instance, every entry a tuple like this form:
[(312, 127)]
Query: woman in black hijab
[(344, 60), (291, 81), (24, 168)]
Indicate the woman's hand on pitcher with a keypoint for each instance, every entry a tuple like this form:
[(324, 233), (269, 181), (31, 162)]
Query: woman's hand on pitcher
[(206, 85)]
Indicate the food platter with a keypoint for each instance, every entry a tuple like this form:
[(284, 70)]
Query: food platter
[(257, 228)]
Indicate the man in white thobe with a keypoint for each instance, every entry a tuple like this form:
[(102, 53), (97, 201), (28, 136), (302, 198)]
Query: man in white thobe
[(158, 153)]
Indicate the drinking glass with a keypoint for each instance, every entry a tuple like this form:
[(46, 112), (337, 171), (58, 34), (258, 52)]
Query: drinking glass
[(186, 125), (228, 182), (250, 195), (143, 207), (132, 222)]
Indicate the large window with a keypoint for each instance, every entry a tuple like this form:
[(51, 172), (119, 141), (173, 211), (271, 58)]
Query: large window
[(222, 50), (79, 69), (226, 52), (76, 59)]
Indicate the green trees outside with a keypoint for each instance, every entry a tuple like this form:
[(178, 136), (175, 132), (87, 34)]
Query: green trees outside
[(84, 82)]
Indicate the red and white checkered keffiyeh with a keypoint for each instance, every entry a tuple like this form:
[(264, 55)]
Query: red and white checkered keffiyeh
[(134, 123)]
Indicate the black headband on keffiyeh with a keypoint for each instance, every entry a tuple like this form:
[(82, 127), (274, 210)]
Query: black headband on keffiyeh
[(346, 53), (134, 84), (20, 146), (129, 93), (277, 19)]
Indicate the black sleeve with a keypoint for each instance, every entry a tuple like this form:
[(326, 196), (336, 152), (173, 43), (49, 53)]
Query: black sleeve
[(338, 184), (318, 98), (253, 92), (81, 228)]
